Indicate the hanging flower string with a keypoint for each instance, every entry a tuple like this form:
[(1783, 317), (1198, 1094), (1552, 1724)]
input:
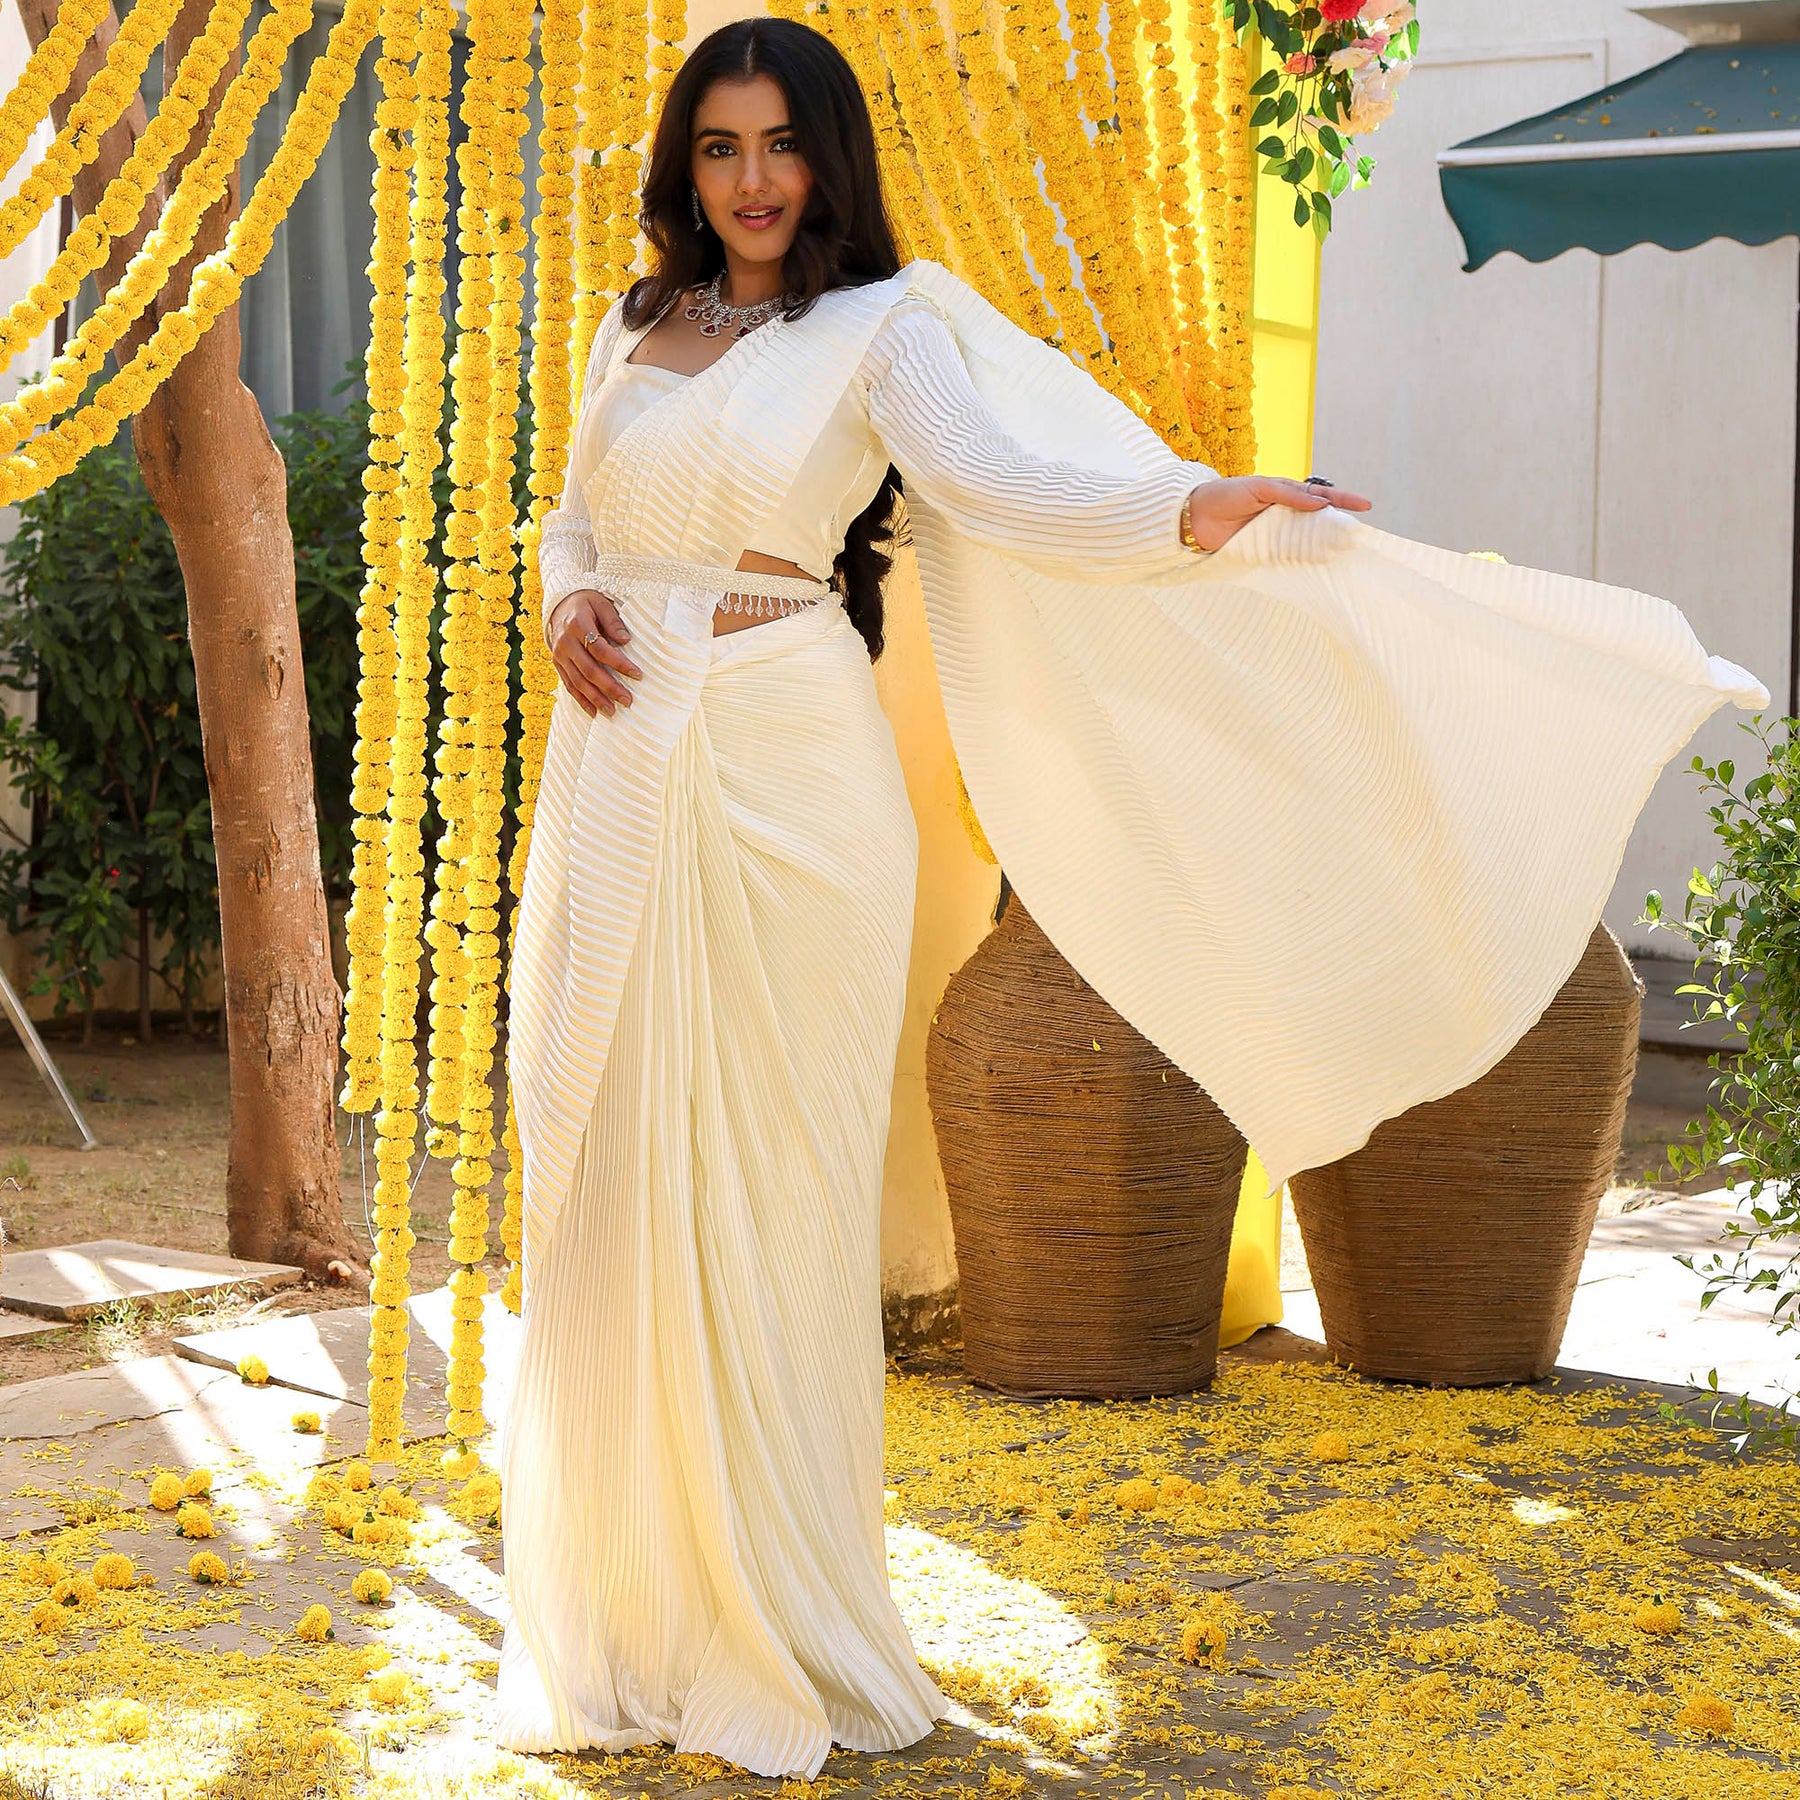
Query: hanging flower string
[(1339, 64), (46, 76), (122, 204), (218, 280), (100, 107)]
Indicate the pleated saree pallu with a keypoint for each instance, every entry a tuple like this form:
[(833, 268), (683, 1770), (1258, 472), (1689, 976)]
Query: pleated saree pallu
[(1184, 769)]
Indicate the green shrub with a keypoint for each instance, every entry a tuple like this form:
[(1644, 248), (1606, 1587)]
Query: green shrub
[(1742, 918)]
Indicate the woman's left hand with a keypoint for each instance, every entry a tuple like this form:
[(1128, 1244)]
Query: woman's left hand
[(1218, 510)]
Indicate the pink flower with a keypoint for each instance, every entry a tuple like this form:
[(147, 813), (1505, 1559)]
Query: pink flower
[(1339, 12), (1353, 56), (1302, 62)]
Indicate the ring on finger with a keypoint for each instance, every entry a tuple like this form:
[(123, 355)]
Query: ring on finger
[(592, 637), (1318, 481)]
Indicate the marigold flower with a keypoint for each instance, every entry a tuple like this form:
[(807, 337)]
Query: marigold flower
[(372, 1586), (114, 1570), (167, 1492), (306, 1422), (75, 1590), (1331, 1447), (372, 1657), (396, 1504), (195, 1521), (390, 1688), (314, 1625), (120, 1721), (253, 1369), (460, 1463), (207, 1568), (1202, 1640), (1137, 1495), (1659, 1617), (198, 1482), (340, 1515), (43, 1571), (48, 1618), (358, 1475), (1707, 1713), (323, 1486)]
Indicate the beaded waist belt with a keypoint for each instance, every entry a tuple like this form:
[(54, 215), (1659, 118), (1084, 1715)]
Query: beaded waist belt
[(735, 590)]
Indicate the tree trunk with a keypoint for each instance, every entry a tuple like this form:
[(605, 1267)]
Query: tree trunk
[(217, 478)]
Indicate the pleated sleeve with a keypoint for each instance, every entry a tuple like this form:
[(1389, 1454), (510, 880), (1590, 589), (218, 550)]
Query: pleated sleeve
[(1057, 517), (567, 555)]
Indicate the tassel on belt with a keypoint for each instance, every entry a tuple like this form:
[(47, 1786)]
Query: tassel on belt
[(734, 590)]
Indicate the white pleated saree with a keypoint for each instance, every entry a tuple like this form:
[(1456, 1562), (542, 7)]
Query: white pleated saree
[(1185, 764)]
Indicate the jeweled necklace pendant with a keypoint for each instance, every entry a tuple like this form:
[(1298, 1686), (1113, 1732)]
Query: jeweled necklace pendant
[(715, 316)]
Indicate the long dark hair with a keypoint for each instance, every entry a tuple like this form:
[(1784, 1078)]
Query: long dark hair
[(845, 237)]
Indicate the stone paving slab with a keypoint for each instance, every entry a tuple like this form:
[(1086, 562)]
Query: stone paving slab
[(74, 1281), (102, 1432), (16, 1325), (327, 1353)]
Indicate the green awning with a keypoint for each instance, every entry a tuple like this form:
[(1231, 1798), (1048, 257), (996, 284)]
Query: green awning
[(1705, 145)]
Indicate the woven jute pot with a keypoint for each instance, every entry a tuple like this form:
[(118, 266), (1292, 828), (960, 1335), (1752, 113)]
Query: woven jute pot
[(1092, 1184), (1446, 1250)]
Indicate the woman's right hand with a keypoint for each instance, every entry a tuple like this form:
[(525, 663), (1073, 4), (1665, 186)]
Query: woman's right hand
[(586, 633)]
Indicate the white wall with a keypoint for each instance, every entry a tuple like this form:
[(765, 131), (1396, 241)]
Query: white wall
[(1628, 419)]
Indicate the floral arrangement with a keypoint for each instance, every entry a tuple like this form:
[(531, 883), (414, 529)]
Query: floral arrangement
[(1338, 66)]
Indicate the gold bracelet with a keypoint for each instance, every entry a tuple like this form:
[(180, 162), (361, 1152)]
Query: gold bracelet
[(1187, 535)]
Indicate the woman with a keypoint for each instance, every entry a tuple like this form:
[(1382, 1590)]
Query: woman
[(1194, 714)]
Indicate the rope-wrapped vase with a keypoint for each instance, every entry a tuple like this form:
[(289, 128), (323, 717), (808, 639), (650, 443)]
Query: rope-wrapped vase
[(1447, 1249), (1092, 1185)]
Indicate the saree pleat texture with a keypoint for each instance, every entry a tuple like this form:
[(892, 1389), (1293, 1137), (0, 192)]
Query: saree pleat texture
[(1191, 775)]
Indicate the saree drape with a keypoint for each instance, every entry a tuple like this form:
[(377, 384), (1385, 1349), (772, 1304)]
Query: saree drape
[(1188, 777)]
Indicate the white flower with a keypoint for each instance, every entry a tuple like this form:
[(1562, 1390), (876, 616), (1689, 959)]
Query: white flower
[(1353, 56), (1372, 97)]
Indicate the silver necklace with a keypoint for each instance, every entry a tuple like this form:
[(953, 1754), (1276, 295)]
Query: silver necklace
[(715, 316)]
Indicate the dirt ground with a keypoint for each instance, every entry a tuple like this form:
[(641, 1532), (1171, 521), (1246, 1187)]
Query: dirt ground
[(159, 1177)]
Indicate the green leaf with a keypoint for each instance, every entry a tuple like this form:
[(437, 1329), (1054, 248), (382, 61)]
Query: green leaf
[(1267, 112), (1302, 212), (1267, 83)]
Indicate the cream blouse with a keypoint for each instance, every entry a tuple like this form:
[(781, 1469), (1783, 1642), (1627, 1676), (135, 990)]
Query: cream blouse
[(912, 403)]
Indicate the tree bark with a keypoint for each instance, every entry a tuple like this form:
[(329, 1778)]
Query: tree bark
[(215, 475)]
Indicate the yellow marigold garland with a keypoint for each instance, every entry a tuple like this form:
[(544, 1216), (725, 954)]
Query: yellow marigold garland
[(553, 312), (1234, 236), (1039, 50), (1023, 300), (203, 181), (1007, 142), (1226, 272), (385, 379), (668, 26), (395, 1122), (922, 102), (123, 202), (851, 29), (603, 97), (219, 278), (102, 102), (629, 124), (46, 76)]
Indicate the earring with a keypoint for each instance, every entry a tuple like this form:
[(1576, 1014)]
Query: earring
[(694, 198)]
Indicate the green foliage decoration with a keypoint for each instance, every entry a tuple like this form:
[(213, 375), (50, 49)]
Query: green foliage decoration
[(1742, 919), (1336, 64)]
